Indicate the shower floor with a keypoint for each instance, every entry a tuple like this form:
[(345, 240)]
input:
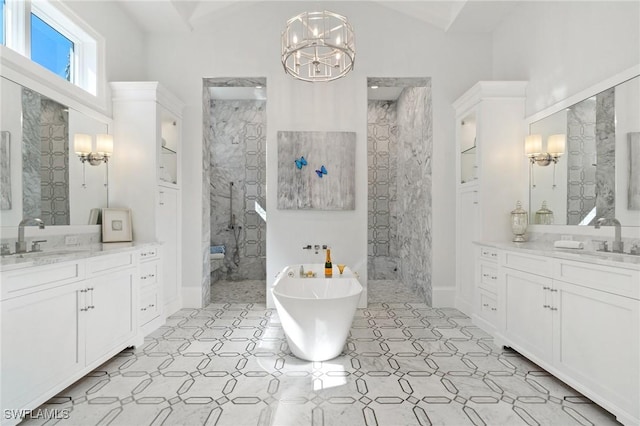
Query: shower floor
[(253, 291)]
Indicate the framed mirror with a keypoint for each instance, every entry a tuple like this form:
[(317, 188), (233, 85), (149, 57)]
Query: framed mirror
[(596, 171), (40, 174)]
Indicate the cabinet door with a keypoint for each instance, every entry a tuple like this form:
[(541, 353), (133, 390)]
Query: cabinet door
[(40, 343), (596, 342), (109, 320), (467, 232), (168, 235), (528, 313)]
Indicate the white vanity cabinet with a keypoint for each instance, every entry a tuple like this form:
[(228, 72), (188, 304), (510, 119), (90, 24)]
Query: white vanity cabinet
[(577, 319), (489, 167), (61, 320), (147, 123), (150, 312)]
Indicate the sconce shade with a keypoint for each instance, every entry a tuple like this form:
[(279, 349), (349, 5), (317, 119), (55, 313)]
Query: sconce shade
[(533, 145), (556, 144), (82, 144), (104, 144)]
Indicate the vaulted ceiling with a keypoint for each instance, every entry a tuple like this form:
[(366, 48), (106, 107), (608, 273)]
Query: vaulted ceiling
[(186, 15)]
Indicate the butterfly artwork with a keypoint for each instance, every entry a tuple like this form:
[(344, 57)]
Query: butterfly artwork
[(300, 162), (322, 171)]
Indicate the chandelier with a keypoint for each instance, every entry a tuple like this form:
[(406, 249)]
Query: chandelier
[(318, 46)]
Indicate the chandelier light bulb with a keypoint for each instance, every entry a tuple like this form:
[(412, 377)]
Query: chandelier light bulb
[(295, 39), (338, 41)]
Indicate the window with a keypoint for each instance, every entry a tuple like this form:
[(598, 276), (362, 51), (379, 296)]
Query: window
[(2, 25), (51, 49), (52, 36)]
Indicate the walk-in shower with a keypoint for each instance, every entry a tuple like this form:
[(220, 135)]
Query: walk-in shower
[(236, 143)]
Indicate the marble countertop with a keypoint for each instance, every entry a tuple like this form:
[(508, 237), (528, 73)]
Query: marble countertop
[(545, 248), (67, 253)]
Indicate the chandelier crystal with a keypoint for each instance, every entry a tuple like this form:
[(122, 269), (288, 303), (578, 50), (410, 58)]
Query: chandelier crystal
[(318, 46)]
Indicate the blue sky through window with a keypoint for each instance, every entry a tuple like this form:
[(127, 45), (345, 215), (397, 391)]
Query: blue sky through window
[(2, 22), (50, 49)]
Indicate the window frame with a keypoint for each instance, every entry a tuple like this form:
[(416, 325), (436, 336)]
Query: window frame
[(89, 47)]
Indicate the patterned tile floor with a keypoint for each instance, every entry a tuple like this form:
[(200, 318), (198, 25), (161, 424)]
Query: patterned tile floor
[(404, 364)]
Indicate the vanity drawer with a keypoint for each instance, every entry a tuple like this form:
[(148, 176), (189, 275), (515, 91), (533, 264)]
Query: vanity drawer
[(488, 306), (620, 281), (149, 273), (149, 306), (488, 253), (488, 276), (150, 253), (537, 265), (106, 263), (28, 280)]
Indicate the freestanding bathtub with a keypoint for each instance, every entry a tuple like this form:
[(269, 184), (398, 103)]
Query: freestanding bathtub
[(316, 313)]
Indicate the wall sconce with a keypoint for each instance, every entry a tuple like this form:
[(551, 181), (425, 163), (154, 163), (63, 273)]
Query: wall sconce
[(82, 145), (533, 150), (555, 148)]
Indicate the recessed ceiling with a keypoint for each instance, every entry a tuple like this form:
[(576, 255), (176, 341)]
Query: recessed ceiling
[(161, 16)]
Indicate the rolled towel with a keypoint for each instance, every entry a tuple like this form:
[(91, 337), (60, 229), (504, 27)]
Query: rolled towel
[(216, 256), (569, 244), (217, 249)]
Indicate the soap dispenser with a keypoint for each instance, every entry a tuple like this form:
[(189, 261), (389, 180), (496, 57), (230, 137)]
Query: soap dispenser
[(302, 275)]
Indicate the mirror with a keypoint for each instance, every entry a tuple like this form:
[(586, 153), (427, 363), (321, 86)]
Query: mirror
[(598, 174), (40, 174)]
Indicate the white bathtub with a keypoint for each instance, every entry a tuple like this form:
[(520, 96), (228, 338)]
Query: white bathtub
[(316, 313)]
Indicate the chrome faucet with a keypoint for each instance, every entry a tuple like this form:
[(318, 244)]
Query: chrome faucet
[(21, 245), (617, 245)]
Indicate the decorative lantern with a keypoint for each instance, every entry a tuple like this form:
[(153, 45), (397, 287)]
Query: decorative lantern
[(544, 216), (519, 221)]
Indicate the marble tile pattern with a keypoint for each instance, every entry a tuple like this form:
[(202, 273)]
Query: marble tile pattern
[(606, 154), (404, 363), (238, 170), (581, 159), (304, 189), (54, 165), (382, 161), (5, 170), (415, 146), (31, 159)]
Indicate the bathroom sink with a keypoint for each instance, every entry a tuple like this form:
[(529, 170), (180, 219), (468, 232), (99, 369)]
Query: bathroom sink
[(42, 254), (604, 255)]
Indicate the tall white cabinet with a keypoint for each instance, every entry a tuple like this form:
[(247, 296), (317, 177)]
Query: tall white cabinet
[(489, 168), (146, 173)]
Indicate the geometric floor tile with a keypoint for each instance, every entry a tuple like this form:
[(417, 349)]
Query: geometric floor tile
[(404, 364)]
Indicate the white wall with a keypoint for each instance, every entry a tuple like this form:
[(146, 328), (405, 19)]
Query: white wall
[(564, 47), (247, 44)]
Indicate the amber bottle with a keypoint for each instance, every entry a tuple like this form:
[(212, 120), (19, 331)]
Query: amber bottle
[(328, 267)]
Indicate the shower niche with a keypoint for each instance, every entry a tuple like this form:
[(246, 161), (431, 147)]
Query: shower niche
[(236, 139)]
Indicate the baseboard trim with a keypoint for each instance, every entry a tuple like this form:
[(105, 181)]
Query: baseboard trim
[(191, 298), (443, 297)]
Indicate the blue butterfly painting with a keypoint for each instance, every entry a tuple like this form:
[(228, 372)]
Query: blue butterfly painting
[(322, 171), (300, 162)]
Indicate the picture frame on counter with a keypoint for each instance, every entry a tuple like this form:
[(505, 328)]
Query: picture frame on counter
[(116, 225)]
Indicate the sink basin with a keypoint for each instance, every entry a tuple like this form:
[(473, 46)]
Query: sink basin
[(41, 254), (603, 255)]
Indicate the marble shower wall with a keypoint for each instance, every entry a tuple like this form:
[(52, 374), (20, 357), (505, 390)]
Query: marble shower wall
[(382, 152), (238, 155), (45, 159), (207, 139), (415, 147), (591, 158)]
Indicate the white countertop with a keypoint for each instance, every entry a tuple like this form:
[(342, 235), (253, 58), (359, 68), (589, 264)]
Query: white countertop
[(545, 248), (67, 253)]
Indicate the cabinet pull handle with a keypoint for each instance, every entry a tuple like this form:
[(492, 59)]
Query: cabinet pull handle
[(546, 306), (143, 309), (485, 275), (553, 290), (553, 309), (493, 277), (151, 306), (493, 309), (546, 288), (485, 304)]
